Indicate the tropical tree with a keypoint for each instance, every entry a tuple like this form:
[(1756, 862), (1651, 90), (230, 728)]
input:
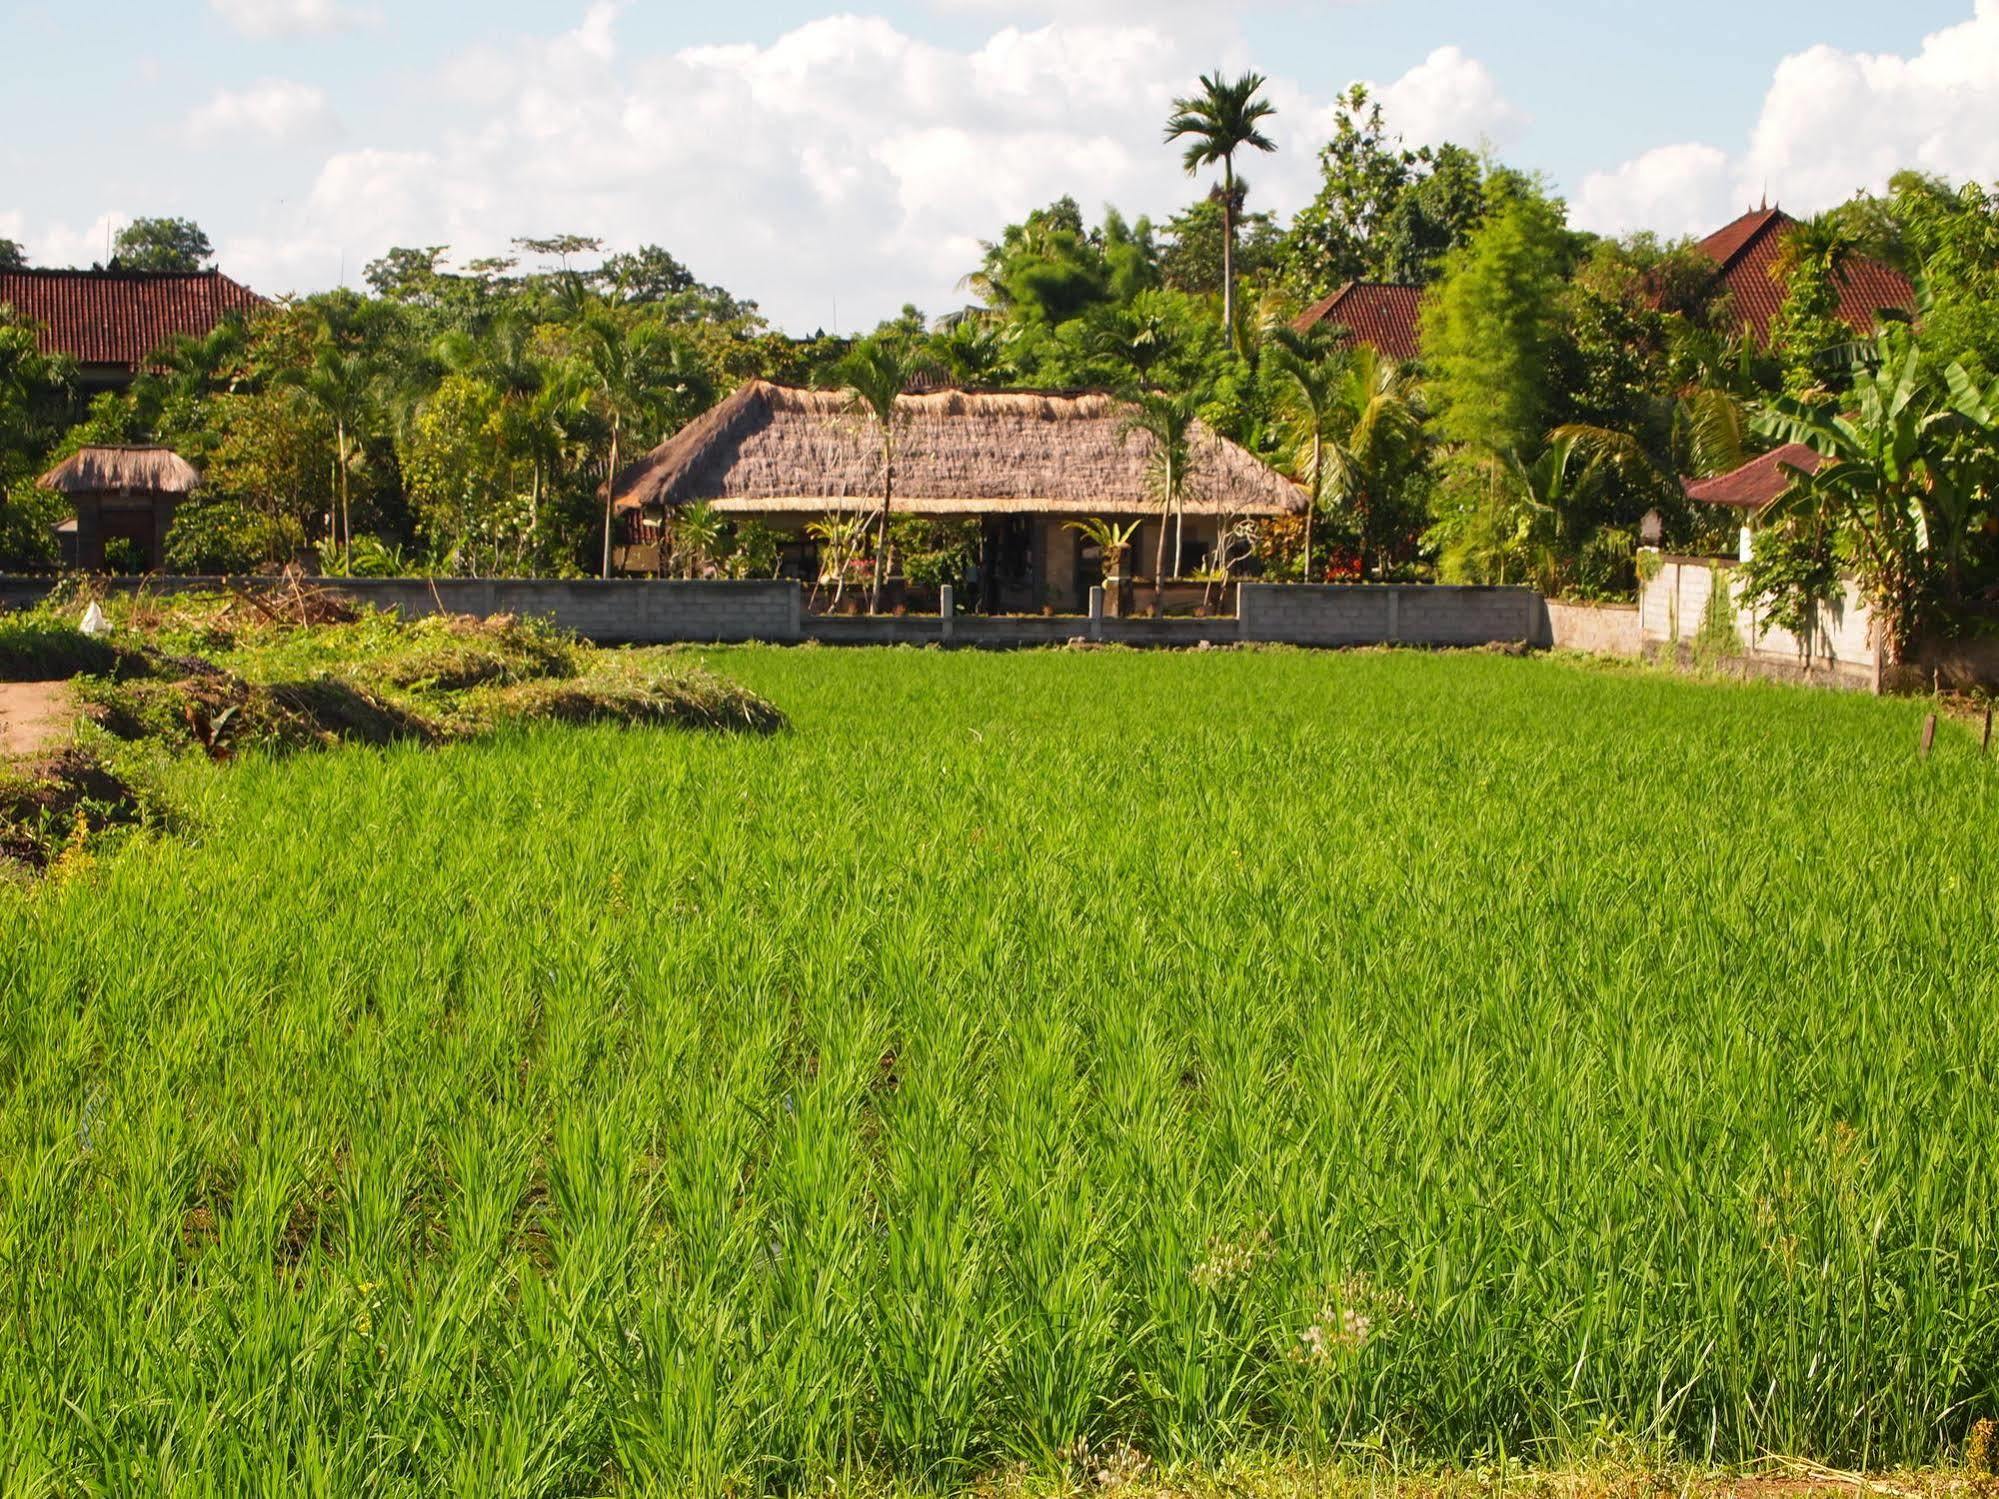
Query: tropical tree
[(1167, 420), (344, 383), (1354, 426), (525, 384), (631, 373), (875, 376), (1909, 477), (1219, 121), (161, 245)]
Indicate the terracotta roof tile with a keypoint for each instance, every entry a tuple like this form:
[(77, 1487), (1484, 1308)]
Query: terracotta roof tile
[(1384, 315), (1759, 481), (1747, 251), (120, 318)]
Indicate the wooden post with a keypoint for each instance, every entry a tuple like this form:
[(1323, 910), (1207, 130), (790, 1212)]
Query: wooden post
[(1929, 735), (1985, 745)]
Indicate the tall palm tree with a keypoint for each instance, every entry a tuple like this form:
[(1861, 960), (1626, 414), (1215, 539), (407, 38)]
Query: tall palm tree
[(1218, 122), (345, 384), (1168, 420), (631, 372), (1311, 374), (876, 373)]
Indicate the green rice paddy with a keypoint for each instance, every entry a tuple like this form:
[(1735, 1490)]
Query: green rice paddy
[(1307, 1058)]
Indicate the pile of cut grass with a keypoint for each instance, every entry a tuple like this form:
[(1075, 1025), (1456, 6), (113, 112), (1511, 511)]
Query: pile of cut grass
[(226, 675), (1056, 1064)]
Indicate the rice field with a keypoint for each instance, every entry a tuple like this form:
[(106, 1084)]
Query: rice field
[(1063, 1060)]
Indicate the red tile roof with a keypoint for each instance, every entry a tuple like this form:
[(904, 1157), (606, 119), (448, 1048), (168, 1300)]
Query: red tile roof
[(120, 318), (1759, 481), (1747, 252), (1384, 315)]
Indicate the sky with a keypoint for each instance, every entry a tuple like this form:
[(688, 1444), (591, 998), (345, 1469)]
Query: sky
[(835, 164)]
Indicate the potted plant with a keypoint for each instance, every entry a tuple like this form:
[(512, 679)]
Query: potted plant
[(1113, 544)]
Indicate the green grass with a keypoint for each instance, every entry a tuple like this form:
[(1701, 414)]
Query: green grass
[(1292, 1058)]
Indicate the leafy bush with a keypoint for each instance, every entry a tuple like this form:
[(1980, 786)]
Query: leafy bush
[(28, 518), (222, 536)]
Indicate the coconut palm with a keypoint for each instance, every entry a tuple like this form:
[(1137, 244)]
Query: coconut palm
[(875, 374), (1354, 422), (1218, 122), (632, 373)]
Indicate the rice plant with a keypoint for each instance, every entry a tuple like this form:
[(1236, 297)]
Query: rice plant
[(1187, 1058)]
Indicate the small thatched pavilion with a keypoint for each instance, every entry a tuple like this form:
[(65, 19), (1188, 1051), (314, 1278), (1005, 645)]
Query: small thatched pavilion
[(1021, 462), (123, 492)]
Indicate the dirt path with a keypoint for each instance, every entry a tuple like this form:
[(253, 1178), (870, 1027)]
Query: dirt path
[(33, 716)]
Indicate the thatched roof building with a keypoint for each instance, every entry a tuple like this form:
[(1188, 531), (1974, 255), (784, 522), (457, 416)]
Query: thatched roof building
[(122, 470), (125, 495), (779, 450)]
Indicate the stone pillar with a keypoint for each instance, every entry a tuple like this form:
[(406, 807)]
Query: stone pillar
[(1097, 613), (947, 610)]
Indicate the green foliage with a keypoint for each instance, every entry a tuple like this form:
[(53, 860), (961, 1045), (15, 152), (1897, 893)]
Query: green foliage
[(753, 550), (603, 1110), (1795, 579), (1948, 238), (1911, 488), (1718, 638), (1490, 328), (161, 245), (28, 517), (1192, 258), (1382, 212), (932, 552), (225, 536)]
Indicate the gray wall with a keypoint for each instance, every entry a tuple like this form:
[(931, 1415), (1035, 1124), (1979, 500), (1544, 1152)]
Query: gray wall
[(638, 611), (1372, 614)]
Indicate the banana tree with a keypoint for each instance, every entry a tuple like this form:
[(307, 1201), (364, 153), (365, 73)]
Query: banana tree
[(1908, 471)]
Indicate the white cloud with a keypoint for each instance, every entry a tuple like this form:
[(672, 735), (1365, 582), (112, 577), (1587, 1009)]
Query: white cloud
[(1673, 190), (275, 110), (278, 18), (1450, 97), (845, 162), (1832, 124), (60, 244)]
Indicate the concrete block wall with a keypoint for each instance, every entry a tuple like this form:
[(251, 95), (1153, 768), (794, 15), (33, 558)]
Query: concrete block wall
[(1372, 614), (1674, 602), (622, 611)]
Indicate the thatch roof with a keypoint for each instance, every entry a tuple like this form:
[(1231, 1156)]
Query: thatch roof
[(113, 470), (772, 449)]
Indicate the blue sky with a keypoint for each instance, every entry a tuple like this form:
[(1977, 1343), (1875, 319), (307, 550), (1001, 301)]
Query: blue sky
[(836, 163)]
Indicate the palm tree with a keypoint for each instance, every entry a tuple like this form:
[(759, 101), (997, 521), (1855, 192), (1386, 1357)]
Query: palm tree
[(876, 373), (1168, 420), (1354, 421), (506, 362), (1309, 403), (1221, 120), (632, 372), (345, 384)]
